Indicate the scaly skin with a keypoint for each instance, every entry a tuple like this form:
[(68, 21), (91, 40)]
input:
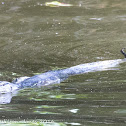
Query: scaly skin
[(57, 76)]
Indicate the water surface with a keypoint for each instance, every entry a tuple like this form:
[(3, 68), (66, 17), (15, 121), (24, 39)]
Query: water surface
[(35, 38)]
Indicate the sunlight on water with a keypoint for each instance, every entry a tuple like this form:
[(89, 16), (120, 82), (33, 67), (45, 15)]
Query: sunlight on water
[(36, 38)]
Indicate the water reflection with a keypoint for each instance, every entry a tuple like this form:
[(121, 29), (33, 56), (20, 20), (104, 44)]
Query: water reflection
[(36, 38)]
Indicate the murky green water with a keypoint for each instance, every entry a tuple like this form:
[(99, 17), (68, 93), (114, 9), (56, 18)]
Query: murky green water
[(35, 38)]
